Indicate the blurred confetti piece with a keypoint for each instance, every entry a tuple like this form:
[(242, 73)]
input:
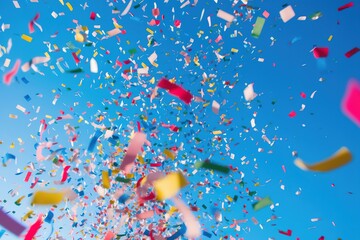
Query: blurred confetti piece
[(348, 5), (212, 166), (145, 215), (340, 158), (249, 93), (69, 6), (175, 90), (127, 9), (262, 203), (26, 38), (34, 228), (135, 146), (109, 235), (292, 114), (93, 66), (9, 75), (47, 198), (287, 13), (16, 4), (105, 179), (350, 102), (321, 52), (193, 227), (352, 52), (215, 107), (168, 186), (10, 224), (258, 26), (225, 16)]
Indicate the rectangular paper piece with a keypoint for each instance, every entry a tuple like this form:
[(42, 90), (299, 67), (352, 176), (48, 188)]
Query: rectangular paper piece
[(340, 158), (287, 13), (168, 186), (262, 203), (226, 16), (10, 223), (258, 27)]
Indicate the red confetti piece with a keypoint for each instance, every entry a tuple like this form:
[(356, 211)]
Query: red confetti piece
[(139, 127), (77, 60), (177, 23), (348, 5), (32, 22), (92, 15), (352, 52), (65, 174), (321, 52), (288, 233), (292, 114), (175, 90), (350, 102), (303, 95), (155, 12), (27, 176), (154, 22), (8, 76), (34, 228), (322, 238)]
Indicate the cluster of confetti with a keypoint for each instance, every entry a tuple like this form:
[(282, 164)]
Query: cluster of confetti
[(150, 120)]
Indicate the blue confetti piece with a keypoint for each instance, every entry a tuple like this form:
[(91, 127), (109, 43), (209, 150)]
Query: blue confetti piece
[(94, 140), (179, 233)]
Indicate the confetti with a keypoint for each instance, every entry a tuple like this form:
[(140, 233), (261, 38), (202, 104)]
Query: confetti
[(10, 224), (168, 186), (350, 106), (340, 158), (287, 13)]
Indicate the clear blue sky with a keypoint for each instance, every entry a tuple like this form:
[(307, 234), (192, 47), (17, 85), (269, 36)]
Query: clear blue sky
[(279, 63)]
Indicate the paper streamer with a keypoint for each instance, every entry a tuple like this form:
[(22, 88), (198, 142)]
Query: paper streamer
[(127, 9), (10, 224), (135, 146), (193, 227), (34, 228), (175, 90), (168, 186), (340, 158), (9, 75)]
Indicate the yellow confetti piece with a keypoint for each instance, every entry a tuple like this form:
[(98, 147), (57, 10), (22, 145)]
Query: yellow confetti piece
[(330, 38), (340, 158), (144, 65), (27, 215), (234, 50), (18, 202), (78, 52), (47, 198), (95, 54), (62, 2), (13, 116), (47, 54), (217, 132), (152, 80), (105, 179), (172, 211), (130, 175), (149, 31), (52, 67), (69, 6), (229, 198), (12, 145), (206, 104), (26, 38), (48, 116), (141, 159), (79, 37), (168, 186), (170, 154)]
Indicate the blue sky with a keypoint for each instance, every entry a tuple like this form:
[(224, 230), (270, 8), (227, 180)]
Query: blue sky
[(279, 63)]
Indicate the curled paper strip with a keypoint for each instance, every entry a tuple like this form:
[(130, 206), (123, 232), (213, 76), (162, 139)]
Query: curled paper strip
[(340, 158)]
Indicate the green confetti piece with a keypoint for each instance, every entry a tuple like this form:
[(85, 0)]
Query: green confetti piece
[(212, 166), (258, 27), (262, 203), (124, 180), (132, 51), (76, 70)]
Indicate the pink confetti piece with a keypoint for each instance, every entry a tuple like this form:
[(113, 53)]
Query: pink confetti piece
[(65, 174), (177, 23), (27, 176), (34, 228), (32, 23), (348, 5), (9, 75), (350, 102), (135, 146), (303, 95), (175, 90), (109, 235), (292, 114), (145, 215), (92, 15), (321, 52), (77, 60)]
